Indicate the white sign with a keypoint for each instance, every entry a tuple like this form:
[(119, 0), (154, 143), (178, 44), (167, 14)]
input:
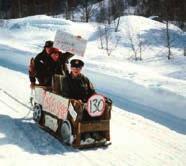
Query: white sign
[(96, 105), (55, 105), (69, 43)]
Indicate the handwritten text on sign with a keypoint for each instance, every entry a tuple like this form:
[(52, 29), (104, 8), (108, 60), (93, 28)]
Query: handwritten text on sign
[(56, 105), (69, 43), (96, 105), (52, 103)]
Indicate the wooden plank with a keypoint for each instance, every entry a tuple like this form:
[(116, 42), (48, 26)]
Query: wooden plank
[(102, 125)]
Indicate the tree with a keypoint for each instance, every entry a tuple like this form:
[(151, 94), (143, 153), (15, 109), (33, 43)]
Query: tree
[(4, 8), (154, 8), (111, 10), (131, 37), (117, 12), (168, 40), (108, 41), (137, 44), (87, 8), (166, 13), (101, 16), (67, 11), (101, 36)]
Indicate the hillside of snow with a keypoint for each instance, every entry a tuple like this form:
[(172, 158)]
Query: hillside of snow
[(155, 81)]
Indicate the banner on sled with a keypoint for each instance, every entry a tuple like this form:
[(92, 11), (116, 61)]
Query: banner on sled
[(52, 103), (56, 105), (70, 43)]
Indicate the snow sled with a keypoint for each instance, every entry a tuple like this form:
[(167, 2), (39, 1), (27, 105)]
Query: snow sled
[(78, 124)]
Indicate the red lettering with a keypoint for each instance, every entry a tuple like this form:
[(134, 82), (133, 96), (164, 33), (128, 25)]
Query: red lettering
[(55, 106)]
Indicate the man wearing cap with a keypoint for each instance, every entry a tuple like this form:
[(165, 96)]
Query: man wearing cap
[(76, 85), (39, 66)]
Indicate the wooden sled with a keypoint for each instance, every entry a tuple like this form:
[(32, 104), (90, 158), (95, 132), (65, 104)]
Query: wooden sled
[(81, 125)]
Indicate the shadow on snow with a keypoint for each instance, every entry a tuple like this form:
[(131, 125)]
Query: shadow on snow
[(28, 136), (157, 38)]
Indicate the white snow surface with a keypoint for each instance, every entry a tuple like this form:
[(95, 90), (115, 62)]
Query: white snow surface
[(136, 140), (148, 119)]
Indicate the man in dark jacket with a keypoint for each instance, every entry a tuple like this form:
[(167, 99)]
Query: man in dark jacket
[(39, 67), (76, 85), (47, 63)]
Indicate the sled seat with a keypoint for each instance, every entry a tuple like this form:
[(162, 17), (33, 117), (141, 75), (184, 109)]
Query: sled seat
[(57, 83)]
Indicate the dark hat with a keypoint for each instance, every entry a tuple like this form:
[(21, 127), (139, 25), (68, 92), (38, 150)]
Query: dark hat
[(76, 63), (49, 43)]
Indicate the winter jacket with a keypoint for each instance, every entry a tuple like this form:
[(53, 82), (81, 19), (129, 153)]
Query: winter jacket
[(45, 67), (79, 88)]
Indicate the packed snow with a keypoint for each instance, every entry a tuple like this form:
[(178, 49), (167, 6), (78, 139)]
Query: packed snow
[(149, 96)]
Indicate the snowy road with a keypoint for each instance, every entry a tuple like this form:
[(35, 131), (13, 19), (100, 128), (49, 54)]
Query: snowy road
[(135, 141)]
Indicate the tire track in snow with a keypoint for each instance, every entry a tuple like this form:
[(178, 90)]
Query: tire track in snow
[(14, 98)]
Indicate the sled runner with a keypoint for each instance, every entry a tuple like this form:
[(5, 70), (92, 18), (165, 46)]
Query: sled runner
[(78, 124)]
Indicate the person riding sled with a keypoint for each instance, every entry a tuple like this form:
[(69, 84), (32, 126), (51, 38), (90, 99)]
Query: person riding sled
[(76, 85), (47, 63)]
